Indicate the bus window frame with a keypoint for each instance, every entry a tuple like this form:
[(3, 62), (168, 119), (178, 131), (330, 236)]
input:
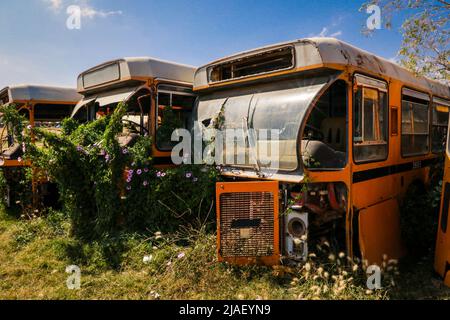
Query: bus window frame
[(59, 120), (447, 147), (430, 103), (355, 85), (347, 133), (434, 104), (158, 91)]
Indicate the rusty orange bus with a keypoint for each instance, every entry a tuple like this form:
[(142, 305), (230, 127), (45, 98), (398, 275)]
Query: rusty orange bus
[(42, 106), (442, 259), (149, 87), (356, 131)]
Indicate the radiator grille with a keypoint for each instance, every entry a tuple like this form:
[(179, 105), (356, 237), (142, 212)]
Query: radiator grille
[(247, 224)]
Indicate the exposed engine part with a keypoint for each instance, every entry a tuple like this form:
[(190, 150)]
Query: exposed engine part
[(321, 208)]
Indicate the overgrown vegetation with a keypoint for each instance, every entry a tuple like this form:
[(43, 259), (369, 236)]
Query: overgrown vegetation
[(420, 213), (140, 232), (107, 188), (34, 254)]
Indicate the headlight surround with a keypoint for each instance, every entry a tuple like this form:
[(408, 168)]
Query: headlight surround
[(297, 227)]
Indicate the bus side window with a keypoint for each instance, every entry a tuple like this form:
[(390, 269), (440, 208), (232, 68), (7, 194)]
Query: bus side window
[(370, 125), (173, 112), (439, 127), (415, 123)]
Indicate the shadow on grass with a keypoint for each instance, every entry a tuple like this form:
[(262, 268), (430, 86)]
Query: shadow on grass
[(418, 280), (103, 254)]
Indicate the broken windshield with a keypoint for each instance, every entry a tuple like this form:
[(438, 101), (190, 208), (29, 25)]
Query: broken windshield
[(273, 111)]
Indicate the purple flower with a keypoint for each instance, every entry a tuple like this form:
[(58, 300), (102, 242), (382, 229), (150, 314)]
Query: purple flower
[(189, 175), (145, 183), (125, 151), (128, 188), (29, 127), (102, 152), (79, 148), (163, 174), (130, 175), (146, 170), (107, 157), (195, 179), (129, 179), (139, 172), (159, 174)]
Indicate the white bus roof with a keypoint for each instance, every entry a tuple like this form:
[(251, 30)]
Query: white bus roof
[(22, 93), (328, 51), (139, 68)]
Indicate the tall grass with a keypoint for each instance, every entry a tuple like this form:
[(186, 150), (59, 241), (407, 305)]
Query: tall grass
[(182, 265)]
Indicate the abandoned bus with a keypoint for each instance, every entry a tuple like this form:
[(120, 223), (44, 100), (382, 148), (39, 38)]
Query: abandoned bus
[(355, 131), (150, 88), (44, 107), (442, 259)]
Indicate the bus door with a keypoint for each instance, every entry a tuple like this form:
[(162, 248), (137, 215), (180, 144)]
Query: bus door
[(377, 210), (442, 258)]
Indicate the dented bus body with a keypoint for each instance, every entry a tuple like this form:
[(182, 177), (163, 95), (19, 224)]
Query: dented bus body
[(355, 132), (148, 86)]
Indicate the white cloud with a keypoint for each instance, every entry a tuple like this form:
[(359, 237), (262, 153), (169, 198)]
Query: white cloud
[(330, 30), (323, 33), (326, 33), (87, 10), (336, 34), (92, 13), (55, 5)]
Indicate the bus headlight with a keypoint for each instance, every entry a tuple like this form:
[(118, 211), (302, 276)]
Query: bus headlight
[(297, 227), (296, 235)]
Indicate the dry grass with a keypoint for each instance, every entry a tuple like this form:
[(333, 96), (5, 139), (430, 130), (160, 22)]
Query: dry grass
[(34, 255)]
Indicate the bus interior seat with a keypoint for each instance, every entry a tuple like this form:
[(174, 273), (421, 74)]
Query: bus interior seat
[(327, 157)]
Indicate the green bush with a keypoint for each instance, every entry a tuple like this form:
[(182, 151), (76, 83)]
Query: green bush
[(105, 188), (420, 213)]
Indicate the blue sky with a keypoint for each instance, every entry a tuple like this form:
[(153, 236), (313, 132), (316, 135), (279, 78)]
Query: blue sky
[(37, 47)]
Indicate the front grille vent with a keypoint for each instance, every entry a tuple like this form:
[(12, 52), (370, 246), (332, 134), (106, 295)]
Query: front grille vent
[(247, 224)]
